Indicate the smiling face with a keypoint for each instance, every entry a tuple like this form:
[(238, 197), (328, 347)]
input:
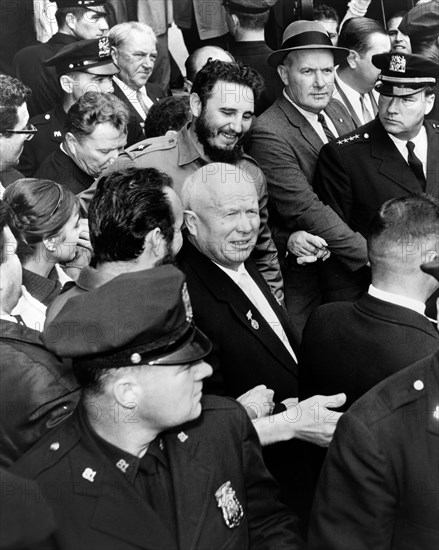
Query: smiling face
[(403, 116), (97, 151), (224, 119), (225, 219), (309, 78), (135, 59), (399, 41)]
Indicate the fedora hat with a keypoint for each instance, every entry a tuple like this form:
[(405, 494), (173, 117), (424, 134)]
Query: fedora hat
[(306, 35)]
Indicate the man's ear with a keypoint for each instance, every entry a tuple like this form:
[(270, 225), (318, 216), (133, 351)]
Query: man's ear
[(282, 71), (352, 59), (155, 240), (124, 391), (50, 244), (113, 52), (191, 219), (67, 83), (429, 101), (195, 104), (71, 142), (71, 21)]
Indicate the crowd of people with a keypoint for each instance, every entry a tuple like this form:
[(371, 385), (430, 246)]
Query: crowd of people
[(218, 292)]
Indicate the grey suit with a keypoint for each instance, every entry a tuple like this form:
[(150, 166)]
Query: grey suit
[(287, 147)]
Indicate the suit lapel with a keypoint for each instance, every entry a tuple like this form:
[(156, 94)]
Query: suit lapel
[(132, 111), (225, 290), (432, 186), (193, 489), (300, 122), (393, 166), (340, 117)]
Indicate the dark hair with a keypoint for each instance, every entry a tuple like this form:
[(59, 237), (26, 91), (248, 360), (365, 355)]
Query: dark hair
[(395, 15), (356, 34), (323, 12), (39, 209), (251, 21), (91, 378), (13, 93), (403, 220), (222, 71), (170, 113), (95, 108), (127, 205), (4, 221)]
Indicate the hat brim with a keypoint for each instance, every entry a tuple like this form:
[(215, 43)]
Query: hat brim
[(195, 348), (432, 268), (102, 69), (275, 59)]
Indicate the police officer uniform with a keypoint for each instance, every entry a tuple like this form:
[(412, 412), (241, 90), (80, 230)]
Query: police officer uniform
[(383, 464), (189, 490), (29, 67), (361, 170), (91, 56)]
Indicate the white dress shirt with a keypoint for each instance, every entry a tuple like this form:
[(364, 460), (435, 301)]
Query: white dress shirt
[(397, 299), (132, 97), (354, 99), (421, 147)]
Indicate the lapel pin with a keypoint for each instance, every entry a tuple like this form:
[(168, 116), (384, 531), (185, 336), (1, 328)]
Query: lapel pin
[(229, 504), (89, 474), (122, 465), (436, 413), (253, 322), (182, 437)]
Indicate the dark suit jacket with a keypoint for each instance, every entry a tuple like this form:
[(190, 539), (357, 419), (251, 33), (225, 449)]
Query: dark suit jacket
[(349, 347), (360, 171), (61, 168), (286, 148), (242, 357), (378, 487), (136, 123), (110, 514)]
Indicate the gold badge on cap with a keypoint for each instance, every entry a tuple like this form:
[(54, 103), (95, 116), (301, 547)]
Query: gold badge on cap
[(104, 46), (187, 302), (229, 504), (397, 64)]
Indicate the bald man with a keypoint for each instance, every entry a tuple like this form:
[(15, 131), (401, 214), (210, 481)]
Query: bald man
[(200, 57), (253, 340)]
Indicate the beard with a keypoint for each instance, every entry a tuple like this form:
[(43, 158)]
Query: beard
[(169, 257), (205, 132)]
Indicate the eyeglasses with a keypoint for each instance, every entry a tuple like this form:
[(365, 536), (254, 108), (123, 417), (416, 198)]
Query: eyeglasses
[(30, 130)]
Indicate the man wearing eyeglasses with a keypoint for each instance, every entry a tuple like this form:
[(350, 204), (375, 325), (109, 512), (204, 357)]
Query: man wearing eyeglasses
[(14, 127), (134, 51)]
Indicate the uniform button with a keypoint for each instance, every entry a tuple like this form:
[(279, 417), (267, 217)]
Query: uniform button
[(135, 358), (54, 446), (65, 407), (171, 141), (47, 116), (418, 385), (366, 136)]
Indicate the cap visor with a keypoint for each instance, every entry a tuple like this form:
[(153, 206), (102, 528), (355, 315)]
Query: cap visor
[(107, 69), (276, 58), (195, 348), (432, 268)]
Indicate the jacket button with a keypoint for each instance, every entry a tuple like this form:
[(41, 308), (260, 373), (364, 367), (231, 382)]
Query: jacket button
[(418, 385), (54, 446)]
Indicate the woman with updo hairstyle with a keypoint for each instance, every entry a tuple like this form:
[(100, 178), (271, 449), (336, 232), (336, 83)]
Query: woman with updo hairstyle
[(45, 222)]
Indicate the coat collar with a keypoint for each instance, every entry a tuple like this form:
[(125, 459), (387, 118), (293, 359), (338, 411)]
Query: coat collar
[(300, 122), (19, 333), (225, 290), (90, 278)]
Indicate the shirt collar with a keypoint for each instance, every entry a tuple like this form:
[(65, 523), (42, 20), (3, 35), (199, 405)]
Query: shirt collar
[(397, 299), (233, 274), (188, 149), (419, 140), (312, 117)]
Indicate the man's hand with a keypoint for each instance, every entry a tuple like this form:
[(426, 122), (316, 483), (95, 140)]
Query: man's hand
[(314, 421), (84, 235), (307, 248), (258, 401)]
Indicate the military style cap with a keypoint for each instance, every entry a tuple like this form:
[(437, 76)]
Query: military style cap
[(404, 74), (432, 268), (141, 318), (306, 35), (91, 56), (249, 6), (422, 21), (97, 6)]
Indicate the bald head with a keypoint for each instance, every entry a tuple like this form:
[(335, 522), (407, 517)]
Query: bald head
[(222, 213), (200, 57)]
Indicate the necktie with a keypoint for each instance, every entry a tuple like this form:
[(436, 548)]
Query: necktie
[(142, 102), (325, 127), (367, 117), (415, 164), (19, 320)]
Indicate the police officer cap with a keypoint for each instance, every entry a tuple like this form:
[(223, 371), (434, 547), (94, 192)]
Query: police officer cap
[(422, 21), (306, 35), (404, 74), (249, 6), (91, 56), (141, 318), (97, 6), (432, 268)]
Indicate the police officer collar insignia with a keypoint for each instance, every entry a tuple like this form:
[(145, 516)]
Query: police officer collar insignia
[(104, 46), (397, 64), (229, 504), (187, 303)]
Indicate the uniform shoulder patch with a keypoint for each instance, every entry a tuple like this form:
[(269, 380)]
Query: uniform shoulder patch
[(354, 137), (161, 143)]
